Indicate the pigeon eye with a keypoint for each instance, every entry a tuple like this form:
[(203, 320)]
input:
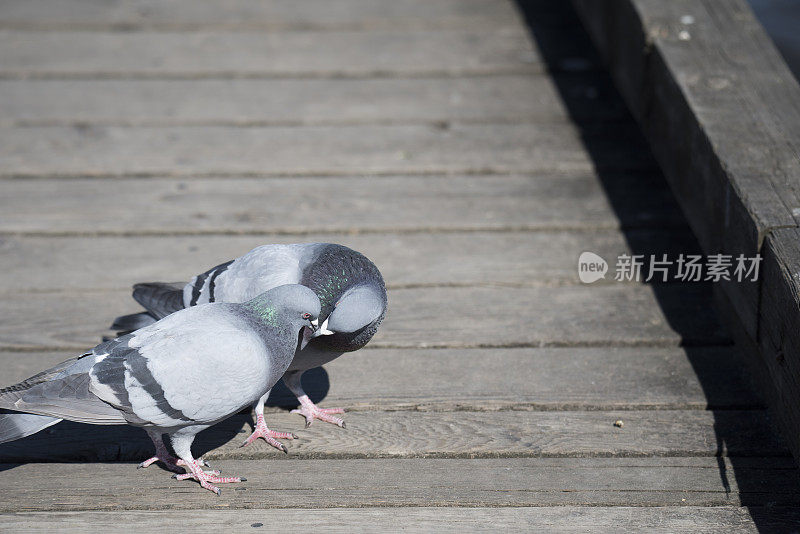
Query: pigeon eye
[(306, 316)]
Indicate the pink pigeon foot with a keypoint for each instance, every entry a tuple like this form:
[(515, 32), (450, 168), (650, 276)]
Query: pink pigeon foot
[(176, 465), (206, 478), (311, 411), (270, 436), (169, 461)]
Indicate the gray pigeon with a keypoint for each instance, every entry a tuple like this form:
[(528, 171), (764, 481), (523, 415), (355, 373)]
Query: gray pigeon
[(349, 286), (177, 376)]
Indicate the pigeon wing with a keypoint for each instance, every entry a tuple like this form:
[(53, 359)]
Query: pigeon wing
[(194, 367), (242, 279)]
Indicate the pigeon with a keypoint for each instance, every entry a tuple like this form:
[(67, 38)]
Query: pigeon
[(349, 286), (177, 376)]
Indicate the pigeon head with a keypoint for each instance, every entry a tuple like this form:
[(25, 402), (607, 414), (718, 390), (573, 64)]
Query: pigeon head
[(291, 307), (354, 318)]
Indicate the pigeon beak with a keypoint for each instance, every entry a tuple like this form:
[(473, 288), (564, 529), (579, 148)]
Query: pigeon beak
[(323, 330), (308, 335), (315, 324)]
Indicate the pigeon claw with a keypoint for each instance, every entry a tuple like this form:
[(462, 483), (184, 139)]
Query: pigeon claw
[(207, 479), (311, 411), (171, 463), (270, 436)]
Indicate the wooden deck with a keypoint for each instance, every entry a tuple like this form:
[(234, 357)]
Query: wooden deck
[(473, 149), (693, 72)]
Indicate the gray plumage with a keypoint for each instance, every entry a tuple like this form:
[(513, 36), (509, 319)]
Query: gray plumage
[(160, 299), (15, 425), (177, 376), (350, 288)]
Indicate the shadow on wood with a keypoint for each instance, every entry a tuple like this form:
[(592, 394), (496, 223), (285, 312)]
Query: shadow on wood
[(541, 16), (315, 383)]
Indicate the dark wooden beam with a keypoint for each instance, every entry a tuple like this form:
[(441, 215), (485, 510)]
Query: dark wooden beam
[(721, 111)]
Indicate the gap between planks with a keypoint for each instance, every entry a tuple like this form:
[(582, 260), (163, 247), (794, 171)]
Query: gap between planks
[(310, 123), (279, 232), (288, 75), (301, 174)]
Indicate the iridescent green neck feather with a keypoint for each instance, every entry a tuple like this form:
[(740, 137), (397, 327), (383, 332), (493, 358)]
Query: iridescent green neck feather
[(265, 310), (331, 288)]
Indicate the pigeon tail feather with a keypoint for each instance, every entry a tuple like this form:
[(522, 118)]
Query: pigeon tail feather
[(14, 425), (125, 324), (160, 298), (61, 392)]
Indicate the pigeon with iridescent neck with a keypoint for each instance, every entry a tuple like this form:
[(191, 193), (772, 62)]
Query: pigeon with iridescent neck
[(177, 376), (349, 286)]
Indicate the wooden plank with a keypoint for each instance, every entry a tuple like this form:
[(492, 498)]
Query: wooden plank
[(303, 102), (336, 150), (276, 15), (513, 433), (711, 520), (303, 206), (434, 434), (606, 378), (690, 86), (199, 54), (428, 317), (725, 71), (412, 482), (779, 318), (570, 315), (40, 263)]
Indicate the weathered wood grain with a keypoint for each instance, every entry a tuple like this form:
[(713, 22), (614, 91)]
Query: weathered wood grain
[(690, 91), (519, 433), (779, 323), (710, 520), (302, 102), (269, 16), (264, 54), (40, 263), (621, 314), (333, 204), (427, 102), (341, 150), (726, 76), (412, 482), (459, 434), (691, 86), (605, 378), (571, 315)]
